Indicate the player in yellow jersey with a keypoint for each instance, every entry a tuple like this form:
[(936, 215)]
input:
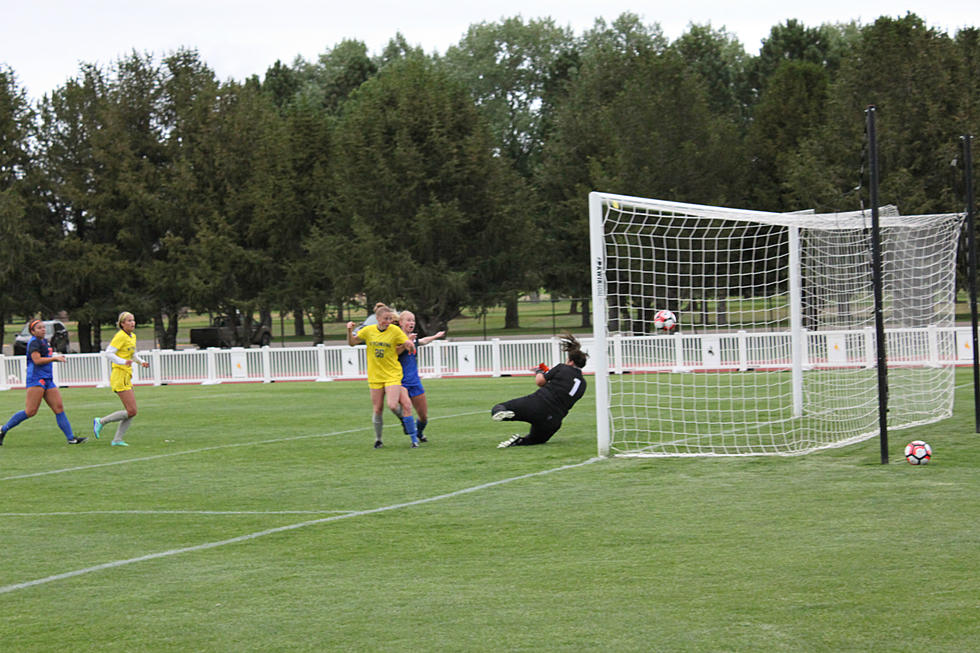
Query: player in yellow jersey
[(384, 342), (122, 352)]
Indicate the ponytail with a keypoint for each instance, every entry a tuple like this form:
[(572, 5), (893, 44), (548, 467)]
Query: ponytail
[(573, 350)]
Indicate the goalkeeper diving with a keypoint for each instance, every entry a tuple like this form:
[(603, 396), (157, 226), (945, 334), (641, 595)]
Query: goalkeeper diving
[(558, 389)]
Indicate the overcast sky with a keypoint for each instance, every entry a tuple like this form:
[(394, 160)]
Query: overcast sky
[(44, 41)]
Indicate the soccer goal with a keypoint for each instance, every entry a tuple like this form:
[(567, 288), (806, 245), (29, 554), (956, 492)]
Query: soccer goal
[(774, 348)]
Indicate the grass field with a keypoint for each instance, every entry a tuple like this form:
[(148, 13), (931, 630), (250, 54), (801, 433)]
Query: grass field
[(259, 518)]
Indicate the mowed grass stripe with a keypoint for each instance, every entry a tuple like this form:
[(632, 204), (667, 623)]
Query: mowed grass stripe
[(281, 529)]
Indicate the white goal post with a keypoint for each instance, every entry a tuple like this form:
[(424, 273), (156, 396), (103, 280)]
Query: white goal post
[(774, 350)]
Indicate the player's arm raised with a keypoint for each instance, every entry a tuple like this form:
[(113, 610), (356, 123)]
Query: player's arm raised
[(426, 340), (352, 340)]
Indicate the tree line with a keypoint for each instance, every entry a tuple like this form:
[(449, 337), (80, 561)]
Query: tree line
[(447, 182)]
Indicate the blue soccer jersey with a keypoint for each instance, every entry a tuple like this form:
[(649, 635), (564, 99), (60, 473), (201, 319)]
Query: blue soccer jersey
[(37, 372), (410, 367)]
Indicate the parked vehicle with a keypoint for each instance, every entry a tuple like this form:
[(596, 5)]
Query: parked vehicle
[(56, 334), (224, 332)]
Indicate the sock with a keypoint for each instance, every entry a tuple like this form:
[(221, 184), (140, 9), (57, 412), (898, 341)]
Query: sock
[(400, 414), (420, 426), (64, 425), (379, 423), (409, 424), (117, 416), (123, 426), (14, 420)]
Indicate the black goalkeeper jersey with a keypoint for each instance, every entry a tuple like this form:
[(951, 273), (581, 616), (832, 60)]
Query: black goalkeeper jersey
[(565, 386)]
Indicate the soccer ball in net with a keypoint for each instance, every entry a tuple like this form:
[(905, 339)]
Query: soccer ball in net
[(918, 452), (665, 320)]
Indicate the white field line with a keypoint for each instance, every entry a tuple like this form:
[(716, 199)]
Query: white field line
[(249, 443), (198, 396), (251, 536), (67, 513)]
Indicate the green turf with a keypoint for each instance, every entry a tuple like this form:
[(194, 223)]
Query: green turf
[(826, 552)]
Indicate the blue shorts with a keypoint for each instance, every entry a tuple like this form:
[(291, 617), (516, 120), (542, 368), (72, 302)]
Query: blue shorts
[(41, 383), (414, 389)]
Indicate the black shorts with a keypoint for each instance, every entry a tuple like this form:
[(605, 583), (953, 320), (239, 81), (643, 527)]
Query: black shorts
[(545, 419)]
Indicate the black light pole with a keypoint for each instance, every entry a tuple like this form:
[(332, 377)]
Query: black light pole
[(971, 245), (876, 275)]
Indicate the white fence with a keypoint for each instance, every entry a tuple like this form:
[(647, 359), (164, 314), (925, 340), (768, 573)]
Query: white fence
[(714, 351), (748, 350)]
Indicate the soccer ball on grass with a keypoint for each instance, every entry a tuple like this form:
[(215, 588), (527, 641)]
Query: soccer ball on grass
[(665, 320), (918, 452)]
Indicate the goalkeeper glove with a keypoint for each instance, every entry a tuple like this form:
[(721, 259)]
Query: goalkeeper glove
[(540, 369)]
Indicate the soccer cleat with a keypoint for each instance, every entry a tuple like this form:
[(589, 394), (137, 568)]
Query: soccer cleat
[(3, 434), (77, 440), (422, 438), (512, 441), (415, 445), (97, 427), (378, 444), (502, 415), (119, 443)]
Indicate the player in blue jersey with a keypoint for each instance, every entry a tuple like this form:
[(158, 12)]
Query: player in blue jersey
[(413, 394), (558, 390), (40, 384)]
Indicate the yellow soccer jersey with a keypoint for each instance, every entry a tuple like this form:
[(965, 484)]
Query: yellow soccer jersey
[(382, 357), (125, 347)]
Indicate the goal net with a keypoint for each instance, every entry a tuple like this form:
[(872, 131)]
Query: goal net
[(774, 348)]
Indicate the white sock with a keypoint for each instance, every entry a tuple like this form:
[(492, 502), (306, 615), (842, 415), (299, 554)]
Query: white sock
[(123, 427), (117, 416)]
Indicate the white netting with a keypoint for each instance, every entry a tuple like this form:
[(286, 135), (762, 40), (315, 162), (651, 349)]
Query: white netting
[(774, 350)]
